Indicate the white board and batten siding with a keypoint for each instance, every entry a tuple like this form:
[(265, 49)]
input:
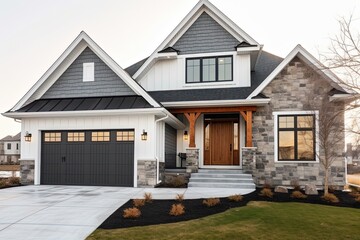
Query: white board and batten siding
[(144, 150), (170, 74)]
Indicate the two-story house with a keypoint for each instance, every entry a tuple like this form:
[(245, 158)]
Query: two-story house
[(209, 90), (10, 149)]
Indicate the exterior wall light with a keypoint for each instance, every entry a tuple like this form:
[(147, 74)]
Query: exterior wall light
[(28, 137), (186, 135), (144, 135)]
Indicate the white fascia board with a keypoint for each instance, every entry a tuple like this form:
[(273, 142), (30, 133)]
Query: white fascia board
[(168, 55), (341, 97), (219, 103), (180, 29), (88, 113), (304, 55), (45, 76), (246, 50)]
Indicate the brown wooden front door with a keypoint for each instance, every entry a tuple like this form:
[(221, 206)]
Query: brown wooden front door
[(219, 143)]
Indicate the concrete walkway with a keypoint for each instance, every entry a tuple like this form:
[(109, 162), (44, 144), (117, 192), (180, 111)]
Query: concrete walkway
[(73, 212)]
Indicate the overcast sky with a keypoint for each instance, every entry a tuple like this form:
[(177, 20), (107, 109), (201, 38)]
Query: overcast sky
[(33, 34)]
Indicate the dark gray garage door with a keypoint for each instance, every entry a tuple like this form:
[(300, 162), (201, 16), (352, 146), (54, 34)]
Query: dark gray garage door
[(99, 158)]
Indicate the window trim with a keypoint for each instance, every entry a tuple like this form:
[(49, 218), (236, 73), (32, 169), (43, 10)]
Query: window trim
[(216, 69), (88, 72), (276, 136)]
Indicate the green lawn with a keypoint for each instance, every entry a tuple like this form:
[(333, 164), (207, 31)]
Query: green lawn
[(258, 220)]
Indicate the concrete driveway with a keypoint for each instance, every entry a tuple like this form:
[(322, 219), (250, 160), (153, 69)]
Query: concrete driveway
[(74, 212), (58, 212)]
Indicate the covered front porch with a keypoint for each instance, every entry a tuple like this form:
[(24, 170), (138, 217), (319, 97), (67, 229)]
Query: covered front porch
[(215, 137)]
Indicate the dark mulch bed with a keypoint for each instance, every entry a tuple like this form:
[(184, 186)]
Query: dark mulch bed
[(157, 212)]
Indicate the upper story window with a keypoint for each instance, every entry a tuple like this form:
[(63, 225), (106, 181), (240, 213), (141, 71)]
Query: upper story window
[(88, 72), (296, 137), (9, 146), (209, 69)]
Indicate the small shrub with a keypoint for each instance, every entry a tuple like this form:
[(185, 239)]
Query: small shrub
[(330, 198), (267, 185), (179, 197), (331, 189), (3, 182), (132, 213), (211, 202), (296, 186), (266, 192), (298, 195), (177, 182), (148, 197), (14, 180), (177, 209), (138, 202), (357, 199), (235, 198)]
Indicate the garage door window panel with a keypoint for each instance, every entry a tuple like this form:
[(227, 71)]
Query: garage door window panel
[(52, 137), (76, 137), (125, 136), (100, 136)]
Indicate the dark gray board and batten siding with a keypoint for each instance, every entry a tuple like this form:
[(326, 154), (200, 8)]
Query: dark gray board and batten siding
[(206, 36), (170, 146), (71, 85)]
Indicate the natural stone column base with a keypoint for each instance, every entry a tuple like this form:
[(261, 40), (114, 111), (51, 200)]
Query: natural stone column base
[(27, 173), (192, 160), (146, 173)]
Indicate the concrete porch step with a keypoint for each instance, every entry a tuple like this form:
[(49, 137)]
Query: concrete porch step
[(221, 185), (219, 171), (221, 175), (222, 180)]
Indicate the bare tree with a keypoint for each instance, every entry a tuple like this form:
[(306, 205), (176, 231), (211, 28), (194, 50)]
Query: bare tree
[(331, 137), (343, 56), (330, 132)]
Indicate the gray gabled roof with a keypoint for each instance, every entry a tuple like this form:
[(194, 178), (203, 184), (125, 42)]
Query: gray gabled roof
[(266, 64), (131, 70), (10, 138)]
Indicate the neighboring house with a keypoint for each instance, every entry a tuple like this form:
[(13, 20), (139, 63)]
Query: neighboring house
[(209, 90), (10, 149)]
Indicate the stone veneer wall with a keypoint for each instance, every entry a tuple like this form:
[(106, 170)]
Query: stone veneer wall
[(27, 168), (192, 160), (146, 173), (292, 90)]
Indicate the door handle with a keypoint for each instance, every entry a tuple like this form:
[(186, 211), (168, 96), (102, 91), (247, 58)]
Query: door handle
[(63, 159), (230, 147)]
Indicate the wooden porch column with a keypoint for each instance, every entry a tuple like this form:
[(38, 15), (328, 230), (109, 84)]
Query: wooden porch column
[(248, 119), (192, 117), (248, 128)]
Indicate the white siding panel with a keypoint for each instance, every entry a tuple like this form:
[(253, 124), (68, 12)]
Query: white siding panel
[(170, 75)]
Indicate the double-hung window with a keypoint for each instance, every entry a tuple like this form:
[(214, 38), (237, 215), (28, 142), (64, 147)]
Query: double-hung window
[(209, 69), (295, 137)]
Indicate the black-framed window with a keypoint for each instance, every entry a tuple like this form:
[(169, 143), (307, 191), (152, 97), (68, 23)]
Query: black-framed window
[(296, 138), (209, 69), (9, 146)]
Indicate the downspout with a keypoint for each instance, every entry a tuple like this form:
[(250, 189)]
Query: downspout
[(17, 120), (156, 157)]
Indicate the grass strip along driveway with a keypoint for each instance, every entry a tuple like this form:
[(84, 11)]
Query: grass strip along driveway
[(257, 220)]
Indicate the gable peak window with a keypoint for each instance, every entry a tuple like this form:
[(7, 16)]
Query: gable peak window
[(89, 72), (209, 69)]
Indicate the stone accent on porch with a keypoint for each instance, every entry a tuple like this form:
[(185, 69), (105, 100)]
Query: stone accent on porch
[(146, 173), (192, 160), (248, 156), (27, 172)]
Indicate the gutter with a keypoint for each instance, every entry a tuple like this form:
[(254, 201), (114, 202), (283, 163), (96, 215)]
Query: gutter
[(213, 103), (156, 157)]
